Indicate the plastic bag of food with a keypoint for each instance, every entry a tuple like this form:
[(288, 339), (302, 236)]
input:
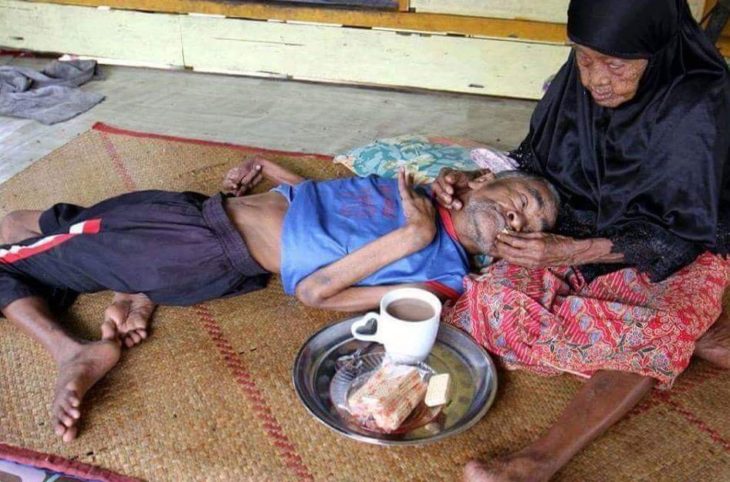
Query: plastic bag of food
[(388, 396)]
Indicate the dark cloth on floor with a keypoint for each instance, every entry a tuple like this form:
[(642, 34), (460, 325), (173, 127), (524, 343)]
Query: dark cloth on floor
[(651, 175), (49, 96), (177, 248)]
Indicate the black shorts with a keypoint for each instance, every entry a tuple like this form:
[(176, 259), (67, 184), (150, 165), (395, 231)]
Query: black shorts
[(177, 248)]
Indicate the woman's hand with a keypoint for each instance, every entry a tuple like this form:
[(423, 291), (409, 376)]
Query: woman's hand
[(542, 250), (450, 184), (419, 212), (537, 250), (242, 178)]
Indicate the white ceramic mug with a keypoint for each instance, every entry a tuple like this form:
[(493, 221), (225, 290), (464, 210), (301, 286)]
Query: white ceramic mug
[(406, 340)]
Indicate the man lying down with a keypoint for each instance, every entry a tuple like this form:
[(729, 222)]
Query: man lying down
[(338, 244)]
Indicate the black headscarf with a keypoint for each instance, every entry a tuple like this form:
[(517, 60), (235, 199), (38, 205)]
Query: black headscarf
[(653, 174)]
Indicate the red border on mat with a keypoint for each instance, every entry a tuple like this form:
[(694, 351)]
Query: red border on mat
[(59, 464), (287, 451), (100, 126)]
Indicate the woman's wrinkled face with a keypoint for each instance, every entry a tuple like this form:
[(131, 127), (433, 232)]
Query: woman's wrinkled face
[(610, 80)]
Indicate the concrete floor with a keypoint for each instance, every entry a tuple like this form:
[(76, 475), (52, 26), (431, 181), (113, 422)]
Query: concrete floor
[(285, 115)]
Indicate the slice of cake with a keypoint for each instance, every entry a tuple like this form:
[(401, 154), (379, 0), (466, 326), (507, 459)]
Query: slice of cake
[(389, 396)]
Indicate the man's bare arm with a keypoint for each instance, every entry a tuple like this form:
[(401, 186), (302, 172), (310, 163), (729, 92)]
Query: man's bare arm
[(280, 175), (242, 178), (361, 298), (331, 286)]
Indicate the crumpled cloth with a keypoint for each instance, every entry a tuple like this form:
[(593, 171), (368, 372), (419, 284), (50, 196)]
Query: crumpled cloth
[(49, 96)]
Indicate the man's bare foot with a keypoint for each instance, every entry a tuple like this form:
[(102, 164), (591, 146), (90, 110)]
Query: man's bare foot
[(714, 346), (78, 371), (129, 316), (513, 468)]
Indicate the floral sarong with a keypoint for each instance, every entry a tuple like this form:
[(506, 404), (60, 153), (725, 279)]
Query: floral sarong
[(551, 321)]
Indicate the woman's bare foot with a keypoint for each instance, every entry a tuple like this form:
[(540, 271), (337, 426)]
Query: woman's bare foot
[(714, 346), (129, 317), (514, 468), (78, 371)]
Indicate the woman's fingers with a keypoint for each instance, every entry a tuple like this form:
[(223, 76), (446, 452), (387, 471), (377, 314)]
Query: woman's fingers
[(527, 235), (445, 186), (527, 241), (445, 198), (444, 181), (514, 255)]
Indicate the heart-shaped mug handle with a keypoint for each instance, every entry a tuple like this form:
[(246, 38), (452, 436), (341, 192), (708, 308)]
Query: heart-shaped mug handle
[(362, 322)]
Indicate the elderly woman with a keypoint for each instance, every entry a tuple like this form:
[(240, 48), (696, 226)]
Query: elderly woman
[(635, 133)]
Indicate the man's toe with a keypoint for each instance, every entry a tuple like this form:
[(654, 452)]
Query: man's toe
[(108, 330), (69, 409), (70, 434), (62, 417)]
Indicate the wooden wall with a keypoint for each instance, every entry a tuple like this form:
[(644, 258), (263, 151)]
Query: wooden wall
[(538, 10), (511, 56), (307, 51)]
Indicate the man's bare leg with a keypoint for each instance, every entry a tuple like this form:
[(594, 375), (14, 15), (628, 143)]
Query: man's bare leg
[(714, 345), (20, 225), (130, 313), (600, 403), (80, 364)]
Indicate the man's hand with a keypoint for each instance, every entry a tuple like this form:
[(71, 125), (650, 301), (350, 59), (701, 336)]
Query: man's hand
[(542, 250), (419, 211), (242, 178), (450, 184)]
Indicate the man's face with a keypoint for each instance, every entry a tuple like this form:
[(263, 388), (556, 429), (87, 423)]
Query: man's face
[(611, 81), (514, 204)]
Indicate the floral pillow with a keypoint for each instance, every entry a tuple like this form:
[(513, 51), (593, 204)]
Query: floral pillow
[(424, 156)]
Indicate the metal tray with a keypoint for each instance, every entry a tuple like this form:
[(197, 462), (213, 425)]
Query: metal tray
[(473, 379)]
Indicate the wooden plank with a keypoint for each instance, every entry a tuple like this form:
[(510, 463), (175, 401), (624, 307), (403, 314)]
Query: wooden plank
[(301, 51), (724, 46), (708, 6), (555, 11), (347, 3), (376, 57), (141, 38), (420, 22), (724, 43), (697, 7)]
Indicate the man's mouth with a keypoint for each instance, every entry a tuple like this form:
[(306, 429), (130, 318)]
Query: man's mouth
[(501, 221), (496, 222)]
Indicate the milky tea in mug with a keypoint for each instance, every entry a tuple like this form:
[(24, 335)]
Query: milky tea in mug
[(407, 324)]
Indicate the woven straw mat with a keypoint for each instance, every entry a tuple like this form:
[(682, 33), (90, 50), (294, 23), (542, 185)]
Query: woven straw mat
[(209, 395)]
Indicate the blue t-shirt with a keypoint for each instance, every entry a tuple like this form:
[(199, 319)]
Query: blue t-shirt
[(327, 220)]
